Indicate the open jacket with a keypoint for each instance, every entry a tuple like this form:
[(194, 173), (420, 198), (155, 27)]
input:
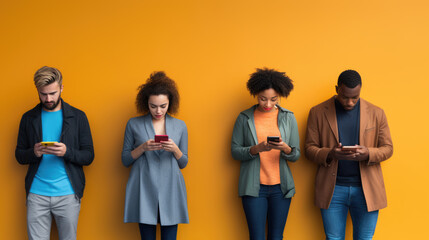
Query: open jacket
[(322, 136), (75, 134), (244, 137), (156, 187)]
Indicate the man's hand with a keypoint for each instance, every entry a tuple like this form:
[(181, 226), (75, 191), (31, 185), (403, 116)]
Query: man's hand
[(58, 149), (338, 153), (38, 149), (362, 153)]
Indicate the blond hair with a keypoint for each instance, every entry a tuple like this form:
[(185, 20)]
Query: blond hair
[(47, 75)]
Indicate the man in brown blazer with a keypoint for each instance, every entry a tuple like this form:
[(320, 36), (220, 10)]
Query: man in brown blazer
[(347, 137)]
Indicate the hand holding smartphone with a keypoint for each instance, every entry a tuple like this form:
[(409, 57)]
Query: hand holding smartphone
[(48, 143), (349, 148), (273, 139)]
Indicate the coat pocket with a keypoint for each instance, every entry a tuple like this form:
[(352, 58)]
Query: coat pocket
[(370, 137)]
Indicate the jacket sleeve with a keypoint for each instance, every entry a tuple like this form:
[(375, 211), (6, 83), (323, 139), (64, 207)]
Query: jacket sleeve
[(384, 149), (127, 159), (238, 149), (24, 152), (84, 153), (294, 155), (183, 146), (313, 149)]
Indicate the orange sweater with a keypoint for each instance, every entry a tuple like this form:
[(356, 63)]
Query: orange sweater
[(266, 125)]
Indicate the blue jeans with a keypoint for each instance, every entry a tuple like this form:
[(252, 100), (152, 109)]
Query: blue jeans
[(148, 232), (270, 207), (347, 199)]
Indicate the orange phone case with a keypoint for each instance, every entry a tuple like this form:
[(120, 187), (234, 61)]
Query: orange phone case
[(48, 143)]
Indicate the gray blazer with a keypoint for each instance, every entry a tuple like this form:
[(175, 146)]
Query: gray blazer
[(155, 181)]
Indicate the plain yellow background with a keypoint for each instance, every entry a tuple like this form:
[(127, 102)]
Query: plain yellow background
[(106, 49)]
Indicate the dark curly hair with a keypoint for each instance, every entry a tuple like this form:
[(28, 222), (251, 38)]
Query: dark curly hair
[(266, 78), (158, 83), (350, 78)]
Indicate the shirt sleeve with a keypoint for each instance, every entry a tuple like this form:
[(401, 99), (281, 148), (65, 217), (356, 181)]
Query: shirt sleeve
[(384, 148), (183, 146), (313, 149), (293, 143)]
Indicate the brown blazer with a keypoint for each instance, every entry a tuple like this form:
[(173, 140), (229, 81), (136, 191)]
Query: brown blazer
[(322, 136)]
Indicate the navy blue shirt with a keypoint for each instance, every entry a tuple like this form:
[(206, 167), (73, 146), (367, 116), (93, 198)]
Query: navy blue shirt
[(348, 130)]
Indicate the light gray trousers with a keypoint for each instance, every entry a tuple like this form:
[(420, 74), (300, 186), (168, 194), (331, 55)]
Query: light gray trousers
[(40, 210)]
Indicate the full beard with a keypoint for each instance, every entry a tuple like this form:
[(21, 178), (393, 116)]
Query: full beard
[(53, 106)]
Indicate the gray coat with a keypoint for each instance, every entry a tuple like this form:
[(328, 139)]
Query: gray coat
[(155, 178)]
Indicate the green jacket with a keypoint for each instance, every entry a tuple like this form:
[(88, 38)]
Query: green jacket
[(244, 137)]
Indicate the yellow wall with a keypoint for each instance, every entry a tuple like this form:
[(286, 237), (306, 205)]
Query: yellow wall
[(105, 49)]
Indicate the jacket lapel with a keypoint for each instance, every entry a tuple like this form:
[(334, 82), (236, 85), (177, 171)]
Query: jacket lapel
[(169, 128), (331, 116), (251, 122), (363, 120), (36, 122), (282, 116), (67, 116), (149, 129), (37, 127)]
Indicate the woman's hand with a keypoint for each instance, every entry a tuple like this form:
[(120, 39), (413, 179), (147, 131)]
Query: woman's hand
[(149, 145), (170, 146), (282, 146), (260, 147)]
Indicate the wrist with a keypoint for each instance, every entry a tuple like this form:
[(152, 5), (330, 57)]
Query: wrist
[(177, 151), (177, 154), (329, 158), (142, 148), (287, 149), (254, 150)]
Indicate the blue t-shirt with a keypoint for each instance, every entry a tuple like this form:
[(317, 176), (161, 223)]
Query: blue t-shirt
[(348, 130), (51, 178)]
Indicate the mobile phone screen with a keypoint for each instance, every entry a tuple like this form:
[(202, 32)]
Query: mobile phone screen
[(273, 139)]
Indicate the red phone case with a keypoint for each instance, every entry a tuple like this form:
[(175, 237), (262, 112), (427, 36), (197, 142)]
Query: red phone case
[(159, 138)]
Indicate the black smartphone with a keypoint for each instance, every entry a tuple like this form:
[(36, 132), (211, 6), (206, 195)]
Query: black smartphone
[(273, 139)]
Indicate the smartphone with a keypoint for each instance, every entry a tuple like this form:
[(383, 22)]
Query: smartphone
[(159, 138), (349, 148), (48, 143), (273, 139)]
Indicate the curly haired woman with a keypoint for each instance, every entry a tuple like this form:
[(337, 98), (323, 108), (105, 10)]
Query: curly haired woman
[(265, 138), (156, 191)]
